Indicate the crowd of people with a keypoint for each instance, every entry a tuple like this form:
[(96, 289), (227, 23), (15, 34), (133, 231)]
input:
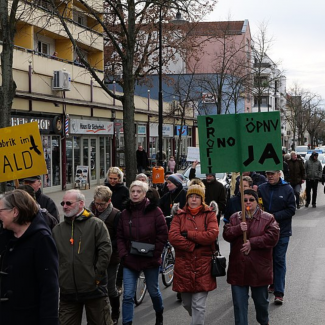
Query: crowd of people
[(51, 271)]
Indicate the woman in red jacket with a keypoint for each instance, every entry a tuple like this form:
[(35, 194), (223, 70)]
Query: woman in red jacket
[(193, 233), (250, 263)]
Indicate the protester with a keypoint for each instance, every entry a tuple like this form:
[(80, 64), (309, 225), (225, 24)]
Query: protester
[(234, 203), (314, 171), (250, 262), (84, 250), (120, 192), (277, 198), (171, 164), (142, 159), (162, 188), (29, 288), (152, 193), (43, 200), (297, 175), (193, 233), (102, 208), (214, 190), (258, 179), (142, 222)]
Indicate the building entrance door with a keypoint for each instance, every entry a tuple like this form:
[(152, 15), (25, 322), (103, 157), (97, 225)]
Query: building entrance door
[(90, 157)]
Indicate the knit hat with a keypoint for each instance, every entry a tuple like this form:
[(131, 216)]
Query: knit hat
[(252, 193), (196, 189), (175, 180)]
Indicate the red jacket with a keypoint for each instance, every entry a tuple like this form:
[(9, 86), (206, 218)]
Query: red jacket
[(148, 226), (256, 268), (192, 271)]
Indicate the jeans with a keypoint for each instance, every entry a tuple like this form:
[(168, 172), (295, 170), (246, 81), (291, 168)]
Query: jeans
[(296, 190), (279, 266), (130, 278), (195, 304), (311, 184), (260, 295)]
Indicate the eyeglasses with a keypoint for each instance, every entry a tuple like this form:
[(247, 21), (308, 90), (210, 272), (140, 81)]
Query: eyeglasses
[(100, 204), (250, 200), (68, 203), (5, 209)]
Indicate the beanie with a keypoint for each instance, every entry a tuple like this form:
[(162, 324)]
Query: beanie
[(196, 189), (251, 192), (175, 180)]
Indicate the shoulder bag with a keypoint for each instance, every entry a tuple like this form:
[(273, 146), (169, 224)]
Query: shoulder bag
[(139, 248)]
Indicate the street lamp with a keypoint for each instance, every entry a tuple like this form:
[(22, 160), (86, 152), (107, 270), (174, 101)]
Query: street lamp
[(178, 21)]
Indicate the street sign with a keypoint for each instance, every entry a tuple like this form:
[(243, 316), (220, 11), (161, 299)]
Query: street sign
[(240, 142), (21, 152)]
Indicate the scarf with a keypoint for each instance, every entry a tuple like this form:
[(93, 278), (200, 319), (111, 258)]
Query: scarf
[(195, 211)]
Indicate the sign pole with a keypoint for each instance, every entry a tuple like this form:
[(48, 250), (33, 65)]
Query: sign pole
[(243, 211)]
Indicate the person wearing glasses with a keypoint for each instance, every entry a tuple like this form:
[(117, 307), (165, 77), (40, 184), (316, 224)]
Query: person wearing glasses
[(29, 285), (84, 249), (250, 262), (193, 233), (103, 209)]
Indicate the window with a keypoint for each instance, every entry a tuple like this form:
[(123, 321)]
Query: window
[(79, 18), (43, 47)]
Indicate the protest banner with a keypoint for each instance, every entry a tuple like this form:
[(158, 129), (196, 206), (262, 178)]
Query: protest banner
[(240, 142), (193, 153), (21, 152)]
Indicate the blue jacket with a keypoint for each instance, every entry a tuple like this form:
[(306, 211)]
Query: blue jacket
[(233, 205), (279, 200)]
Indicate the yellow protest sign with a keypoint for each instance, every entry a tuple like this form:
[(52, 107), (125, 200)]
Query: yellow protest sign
[(21, 152)]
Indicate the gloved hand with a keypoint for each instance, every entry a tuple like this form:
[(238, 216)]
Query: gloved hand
[(184, 234)]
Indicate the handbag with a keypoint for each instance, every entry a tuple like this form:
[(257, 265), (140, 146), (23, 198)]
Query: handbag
[(139, 248), (218, 261), (142, 249), (218, 265)]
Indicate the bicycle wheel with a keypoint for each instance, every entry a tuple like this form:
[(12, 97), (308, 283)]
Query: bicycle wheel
[(141, 290), (168, 267)]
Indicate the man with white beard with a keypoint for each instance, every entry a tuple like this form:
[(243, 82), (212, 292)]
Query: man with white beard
[(84, 249)]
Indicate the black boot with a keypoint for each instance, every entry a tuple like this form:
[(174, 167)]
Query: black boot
[(128, 323), (115, 304), (159, 318)]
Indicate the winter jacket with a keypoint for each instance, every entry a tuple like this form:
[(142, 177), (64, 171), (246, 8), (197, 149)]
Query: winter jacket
[(142, 159), (31, 283), (313, 169), (111, 218), (296, 171), (148, 225), (47, 203), (84, 250), (214, 191), (256, 268), (120, 195), (233, 205), (279, 200), (167, 201), (192, 270)]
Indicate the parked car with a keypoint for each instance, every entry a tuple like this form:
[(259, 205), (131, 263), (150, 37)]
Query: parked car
[(301, 150), (221, 177)]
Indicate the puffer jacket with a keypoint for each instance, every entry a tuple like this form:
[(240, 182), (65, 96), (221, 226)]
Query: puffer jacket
[(120, 195), (279, 200), (84, 250), (256, 268), (148, 225), (192, 271), (313, 169), (296, 171)]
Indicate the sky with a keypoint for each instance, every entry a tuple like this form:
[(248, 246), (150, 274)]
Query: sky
[(297, 29)]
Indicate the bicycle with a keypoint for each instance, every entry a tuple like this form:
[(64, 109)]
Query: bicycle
[(167, 264), (141, 289)]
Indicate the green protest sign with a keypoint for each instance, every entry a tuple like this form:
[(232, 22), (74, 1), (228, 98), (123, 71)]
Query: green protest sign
[(240, 142)]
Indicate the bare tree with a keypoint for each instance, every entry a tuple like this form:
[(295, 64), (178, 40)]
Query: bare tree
[(265, 72)]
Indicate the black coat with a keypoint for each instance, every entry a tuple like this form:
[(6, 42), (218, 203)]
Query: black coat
[(142, 159), (31, 284), (166, 202), (120, 195), (47, 203)]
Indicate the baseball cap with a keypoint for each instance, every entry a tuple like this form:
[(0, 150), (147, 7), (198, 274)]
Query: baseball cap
[(32, 178)]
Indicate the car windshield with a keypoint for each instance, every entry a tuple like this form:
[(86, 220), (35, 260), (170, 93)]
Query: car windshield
[(198, 173)]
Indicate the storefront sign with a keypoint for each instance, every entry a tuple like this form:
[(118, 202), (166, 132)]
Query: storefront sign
[(240, 142), (44, 124), (21, 152), (184, 130), (142, 130), (78, 126), (167, 130), (82, 178)]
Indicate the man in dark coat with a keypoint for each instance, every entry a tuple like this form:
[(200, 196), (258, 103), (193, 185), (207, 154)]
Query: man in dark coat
[(43, 200), (142, 160), (277, 197)]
